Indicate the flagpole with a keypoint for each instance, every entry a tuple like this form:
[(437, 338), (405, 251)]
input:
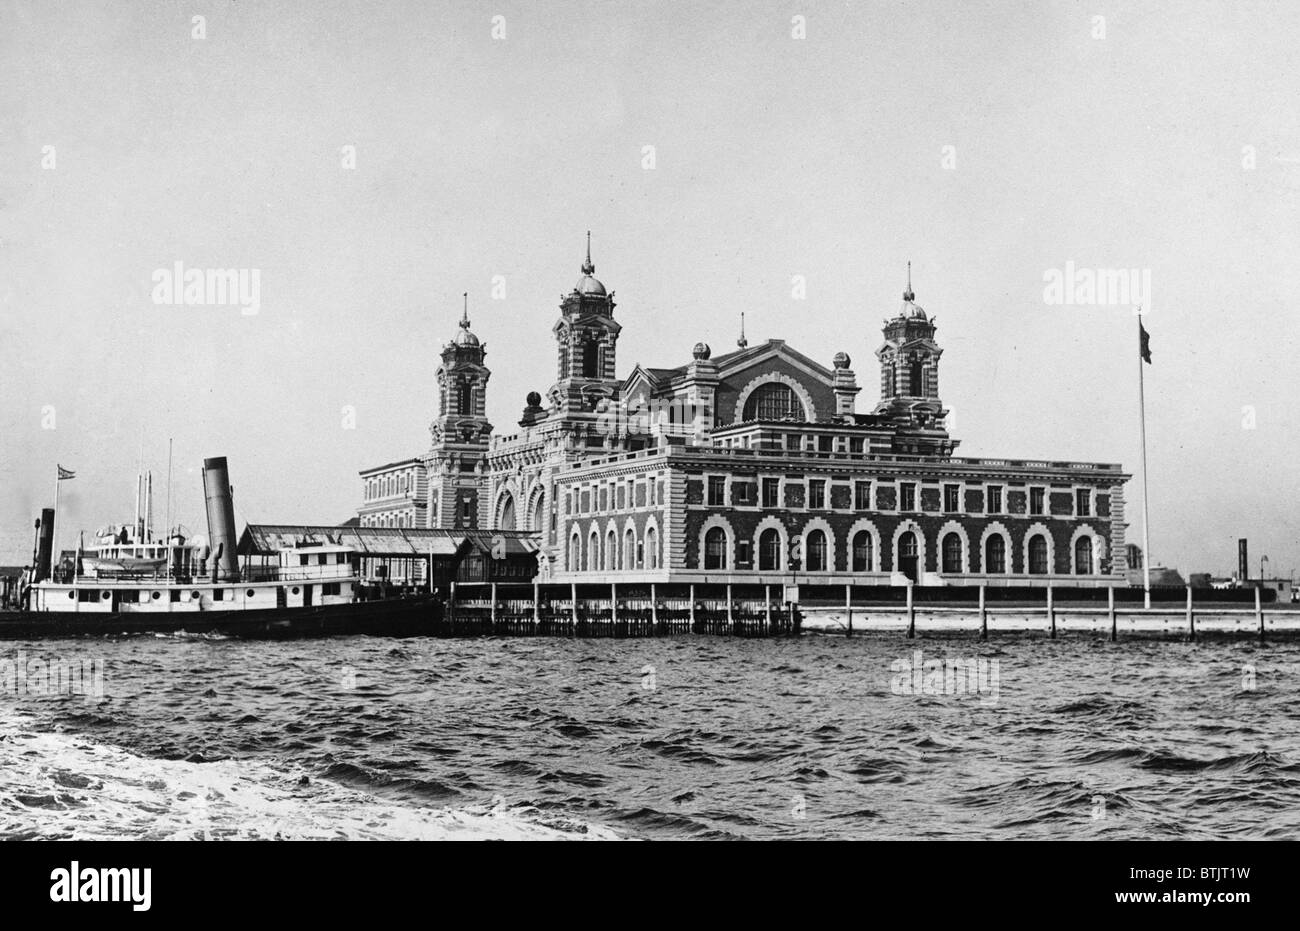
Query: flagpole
[(54, 542), (1146, 524)]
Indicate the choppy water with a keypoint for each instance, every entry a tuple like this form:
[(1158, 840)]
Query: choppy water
[(694, 737)]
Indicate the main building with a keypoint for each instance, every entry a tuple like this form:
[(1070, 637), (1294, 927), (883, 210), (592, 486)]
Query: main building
[(750, 466)]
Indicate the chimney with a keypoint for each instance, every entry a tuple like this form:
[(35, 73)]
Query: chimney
[(45, 544), (221, 518), (1243, 567)]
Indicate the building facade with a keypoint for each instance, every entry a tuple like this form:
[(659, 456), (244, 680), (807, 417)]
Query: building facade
[(755, 466)]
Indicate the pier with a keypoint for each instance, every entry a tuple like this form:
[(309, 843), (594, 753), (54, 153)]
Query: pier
[(613, 609)]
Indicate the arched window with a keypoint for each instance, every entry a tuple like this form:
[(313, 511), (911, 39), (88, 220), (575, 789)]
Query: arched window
[(508, 513), (769, 549), (592, 561), (575, 552), (465, 399), (611, 550), (817, 551), (1083, 556), (863, 552), (629, 549), (995, 554), (1038, 554), (773, 400), (916, 379), (539, 513), (952, 553), (715, 548), (651, 548), (591, 358)]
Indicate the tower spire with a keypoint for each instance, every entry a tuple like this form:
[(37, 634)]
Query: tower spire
[(588, 268), (464, 314), (742, 342), (908, 295)]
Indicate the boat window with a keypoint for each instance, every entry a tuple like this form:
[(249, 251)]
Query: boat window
[(218, 594)]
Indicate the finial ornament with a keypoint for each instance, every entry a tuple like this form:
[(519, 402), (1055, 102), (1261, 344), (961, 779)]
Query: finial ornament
[(588, 268), (464, 315), (742, 342), (908, 295)]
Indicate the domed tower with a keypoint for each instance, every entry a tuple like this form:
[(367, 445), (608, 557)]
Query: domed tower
[(585, 335), (909, 374), (460, 432)]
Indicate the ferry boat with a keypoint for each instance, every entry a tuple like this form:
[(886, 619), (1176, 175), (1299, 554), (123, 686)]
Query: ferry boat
[(131, 582)]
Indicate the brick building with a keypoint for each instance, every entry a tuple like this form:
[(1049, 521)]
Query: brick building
[(755, 465)]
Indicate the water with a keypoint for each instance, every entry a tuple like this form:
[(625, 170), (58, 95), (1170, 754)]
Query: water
[(692, 737)]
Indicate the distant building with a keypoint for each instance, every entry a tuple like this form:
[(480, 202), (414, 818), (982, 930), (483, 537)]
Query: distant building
[(394, 495), (747, 466)]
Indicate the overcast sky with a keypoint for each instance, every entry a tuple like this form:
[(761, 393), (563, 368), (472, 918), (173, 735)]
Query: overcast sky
[(1113, 145)]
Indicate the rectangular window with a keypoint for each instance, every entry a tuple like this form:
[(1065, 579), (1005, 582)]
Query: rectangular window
[(659, 491), (816, 494), (862, 496), (1036, 496), (771, 492), (907, 496), (717, 490), (952, 498), (855, 444), (792, 442), (824, 443), (742, 494), (1083, 502), (465, 509), (995, 499)]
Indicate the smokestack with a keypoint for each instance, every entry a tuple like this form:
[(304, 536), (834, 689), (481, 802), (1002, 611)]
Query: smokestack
[(221, 517), (1243, 567), (45, 544)]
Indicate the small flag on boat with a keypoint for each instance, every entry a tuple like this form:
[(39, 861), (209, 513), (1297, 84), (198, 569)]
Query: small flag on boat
[(1145, 347), (65, 473)]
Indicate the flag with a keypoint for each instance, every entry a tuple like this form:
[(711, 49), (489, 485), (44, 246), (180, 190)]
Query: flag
[(1145, 347), (65, 473)]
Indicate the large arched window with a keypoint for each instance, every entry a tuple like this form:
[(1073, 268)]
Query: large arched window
[(952, 553), (1083, 556), (575, 553), (539, 513), (773, 400), (611, 550), (916, 379), (715, 548), (817, 551), (769, 549), (508, 513), (651, 548), (592, 561), (995, 554), (1038, 554), (629, 549), (465, 399), (863, 552)]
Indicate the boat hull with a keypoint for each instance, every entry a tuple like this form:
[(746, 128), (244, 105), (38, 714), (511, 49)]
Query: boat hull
[(404, 617)]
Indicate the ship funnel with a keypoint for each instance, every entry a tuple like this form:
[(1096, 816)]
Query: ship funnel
[(221, 518), (44, 544)]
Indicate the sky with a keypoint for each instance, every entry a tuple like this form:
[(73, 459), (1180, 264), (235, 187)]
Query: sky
[(992, 144)]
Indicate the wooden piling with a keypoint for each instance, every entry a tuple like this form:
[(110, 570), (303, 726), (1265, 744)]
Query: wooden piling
[(654, 606), (537, 602), (848, 606), (911, 613), (1191, 618), (692, 606), (984, 616), (573, 603), (1051, 613), (613, 602), (730, 620), (493, 610), (1259, 611), (1110, 609), (767, 598)]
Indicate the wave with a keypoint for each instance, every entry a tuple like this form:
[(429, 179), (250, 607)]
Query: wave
[(64, 787)]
